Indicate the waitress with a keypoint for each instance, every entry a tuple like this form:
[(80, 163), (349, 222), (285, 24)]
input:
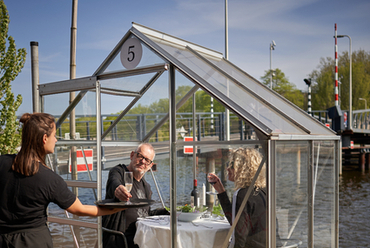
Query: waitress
[(27, 186)]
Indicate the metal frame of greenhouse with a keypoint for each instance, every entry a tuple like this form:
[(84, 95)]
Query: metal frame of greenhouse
[(281, 128)]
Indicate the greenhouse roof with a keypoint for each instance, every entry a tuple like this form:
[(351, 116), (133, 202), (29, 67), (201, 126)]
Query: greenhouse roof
[(268, 112)]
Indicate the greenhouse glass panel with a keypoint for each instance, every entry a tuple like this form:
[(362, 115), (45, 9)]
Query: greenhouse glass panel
[(230, 89), (56, 109), (144, 113), (85, 115), (292, 160), (60, 163), (215, 159), (263, 92), (124, 85), (324, 193)]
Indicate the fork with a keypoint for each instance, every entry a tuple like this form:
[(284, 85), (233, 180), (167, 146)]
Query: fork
[(197, 224)]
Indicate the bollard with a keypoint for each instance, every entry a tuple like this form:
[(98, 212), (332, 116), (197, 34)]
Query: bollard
[(362, 162), (368, 161)]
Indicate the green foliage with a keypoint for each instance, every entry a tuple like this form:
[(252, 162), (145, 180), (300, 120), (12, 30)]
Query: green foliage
[(324, 81), (202, 101), (11, 63), (217, 210), (323, 85), (189, 209), (282, 86), (360, 79)]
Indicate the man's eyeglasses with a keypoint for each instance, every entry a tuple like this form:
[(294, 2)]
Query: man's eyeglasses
[(140, 157)]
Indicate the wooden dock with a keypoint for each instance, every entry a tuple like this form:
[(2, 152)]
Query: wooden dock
[(357, 158)]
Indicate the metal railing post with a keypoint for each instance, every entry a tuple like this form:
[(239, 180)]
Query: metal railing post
[(199, 128)]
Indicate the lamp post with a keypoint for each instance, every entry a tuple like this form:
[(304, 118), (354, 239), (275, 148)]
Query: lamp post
[(308, 82), (363, 100), (227, 112), (272, 47), (350, 79)]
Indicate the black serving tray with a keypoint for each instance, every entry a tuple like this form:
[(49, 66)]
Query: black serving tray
[(134, 203)]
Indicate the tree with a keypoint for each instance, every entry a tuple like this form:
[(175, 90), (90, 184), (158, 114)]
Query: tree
[(11, 63), (323, 89), (282, 86), (360, 78), (324, 78)]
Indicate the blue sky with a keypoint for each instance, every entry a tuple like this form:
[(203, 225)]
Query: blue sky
[(303, 31)]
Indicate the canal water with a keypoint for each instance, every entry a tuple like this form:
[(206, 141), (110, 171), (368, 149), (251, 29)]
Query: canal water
[(354, 209), (354, 204)]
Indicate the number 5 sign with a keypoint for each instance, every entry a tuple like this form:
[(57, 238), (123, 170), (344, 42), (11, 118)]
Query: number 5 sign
[(131, 53)]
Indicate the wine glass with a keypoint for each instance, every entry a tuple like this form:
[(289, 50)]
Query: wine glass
[(128, 177), (211, 181)]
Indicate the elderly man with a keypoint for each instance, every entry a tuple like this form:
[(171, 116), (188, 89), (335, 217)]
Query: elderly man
[(124, 221)]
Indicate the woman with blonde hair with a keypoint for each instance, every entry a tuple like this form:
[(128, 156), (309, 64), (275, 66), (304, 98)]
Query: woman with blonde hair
[(27, 186), (250, 230)]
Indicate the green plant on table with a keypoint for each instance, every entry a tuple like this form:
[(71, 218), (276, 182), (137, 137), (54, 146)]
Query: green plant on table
[(217, 210), (189, 209)]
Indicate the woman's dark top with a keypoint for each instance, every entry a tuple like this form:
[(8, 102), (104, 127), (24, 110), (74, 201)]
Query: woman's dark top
[(24, 199), (250, 230)]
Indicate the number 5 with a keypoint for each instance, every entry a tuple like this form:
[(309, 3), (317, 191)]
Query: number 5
[(130, 52)]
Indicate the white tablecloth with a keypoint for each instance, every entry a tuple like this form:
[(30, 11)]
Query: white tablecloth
[(151, 234)]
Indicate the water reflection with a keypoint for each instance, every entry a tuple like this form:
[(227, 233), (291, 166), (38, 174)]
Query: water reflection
[(354, 209)]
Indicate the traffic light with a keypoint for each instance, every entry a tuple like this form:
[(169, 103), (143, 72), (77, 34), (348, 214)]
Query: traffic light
[(307, 81)]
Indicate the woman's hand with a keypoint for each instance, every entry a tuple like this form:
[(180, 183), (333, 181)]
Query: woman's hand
[(218, 185), (122, 193)]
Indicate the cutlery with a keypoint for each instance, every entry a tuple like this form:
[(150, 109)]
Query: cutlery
[(197, 224)]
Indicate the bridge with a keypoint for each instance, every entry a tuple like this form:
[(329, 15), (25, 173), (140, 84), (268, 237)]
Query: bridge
[(355, 150), (355, 140), (360, 131), (213, 123)]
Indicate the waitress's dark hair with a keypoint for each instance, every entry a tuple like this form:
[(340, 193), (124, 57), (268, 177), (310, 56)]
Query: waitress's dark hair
[(35, 126)]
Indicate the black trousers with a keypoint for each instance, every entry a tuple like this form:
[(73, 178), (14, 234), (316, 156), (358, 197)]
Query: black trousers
[(33, 237)]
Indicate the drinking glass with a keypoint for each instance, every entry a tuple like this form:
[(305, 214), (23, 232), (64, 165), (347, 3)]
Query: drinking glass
[(211, 181), (128, 177)]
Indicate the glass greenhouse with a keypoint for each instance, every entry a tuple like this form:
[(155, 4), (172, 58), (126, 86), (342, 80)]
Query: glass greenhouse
[(194, 107)]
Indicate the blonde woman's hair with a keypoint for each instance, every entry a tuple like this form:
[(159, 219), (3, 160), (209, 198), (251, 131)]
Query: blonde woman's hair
[(246, 162)]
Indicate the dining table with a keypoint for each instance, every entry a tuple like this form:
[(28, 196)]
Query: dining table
[(154, 232)]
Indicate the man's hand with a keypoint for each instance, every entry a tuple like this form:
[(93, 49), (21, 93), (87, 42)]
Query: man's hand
[(121, 193)]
